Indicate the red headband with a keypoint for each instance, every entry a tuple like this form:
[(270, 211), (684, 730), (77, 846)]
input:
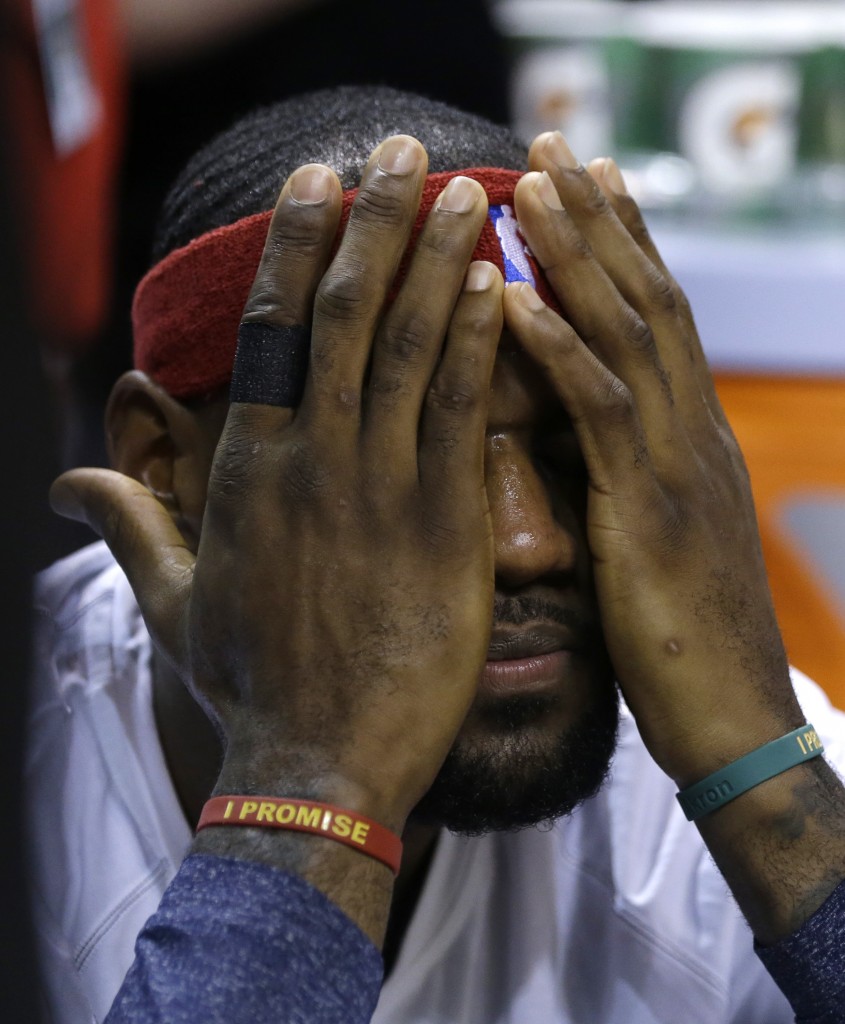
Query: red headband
[(187, 308)]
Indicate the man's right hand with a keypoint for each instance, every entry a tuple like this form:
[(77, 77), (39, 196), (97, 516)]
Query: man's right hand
[(336, 617)]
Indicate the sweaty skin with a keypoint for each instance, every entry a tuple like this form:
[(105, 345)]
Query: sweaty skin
[(339, 595)]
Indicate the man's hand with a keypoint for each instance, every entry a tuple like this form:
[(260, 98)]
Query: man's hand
[(678, 568), (343, 584), (679, 574)]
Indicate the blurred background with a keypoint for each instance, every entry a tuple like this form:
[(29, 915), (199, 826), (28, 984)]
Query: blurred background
[(727, 117)]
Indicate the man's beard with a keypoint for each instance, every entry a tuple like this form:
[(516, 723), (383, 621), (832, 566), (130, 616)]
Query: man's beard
[(518, 776)]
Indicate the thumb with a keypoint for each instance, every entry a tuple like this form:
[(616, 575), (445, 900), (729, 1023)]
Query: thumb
[(144, 541)]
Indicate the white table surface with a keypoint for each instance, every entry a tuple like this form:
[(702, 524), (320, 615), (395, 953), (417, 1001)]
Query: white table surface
[(766, 299)]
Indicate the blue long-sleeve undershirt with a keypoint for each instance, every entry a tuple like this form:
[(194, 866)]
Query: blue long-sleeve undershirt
[(235, 941), (809, 965)]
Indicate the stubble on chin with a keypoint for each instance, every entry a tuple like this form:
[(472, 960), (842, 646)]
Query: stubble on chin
[(510, 771)]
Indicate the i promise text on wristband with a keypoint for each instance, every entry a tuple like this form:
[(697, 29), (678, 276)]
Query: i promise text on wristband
[(342, 826), (771, 759)]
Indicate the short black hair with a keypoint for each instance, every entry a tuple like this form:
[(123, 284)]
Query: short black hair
[(241, 171)]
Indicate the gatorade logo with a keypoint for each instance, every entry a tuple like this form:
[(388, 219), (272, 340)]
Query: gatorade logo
[(514, 249)]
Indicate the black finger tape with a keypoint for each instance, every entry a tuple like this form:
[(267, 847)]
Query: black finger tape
[(270, 364)]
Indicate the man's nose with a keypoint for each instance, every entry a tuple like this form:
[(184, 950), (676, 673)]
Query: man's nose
[(530, 543)]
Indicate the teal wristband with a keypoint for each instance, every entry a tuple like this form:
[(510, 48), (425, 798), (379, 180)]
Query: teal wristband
[(737, 778)]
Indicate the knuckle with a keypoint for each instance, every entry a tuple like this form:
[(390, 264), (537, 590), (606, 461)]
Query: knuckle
[(615, 401), (590, 334), (636, 332), (298, 236), (579, 248), (446, 441), (270, 304), (683, 306), (640, 233), (660, 292), (390, 390), (454, 394), (595, 202), (729, 453), (378, 203), (346, 399), (407, 339), (629, 213), (339, 297), (441, 242), (478, 318), (560, 345)]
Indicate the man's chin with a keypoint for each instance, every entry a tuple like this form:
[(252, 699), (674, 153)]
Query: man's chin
[(516, 772)]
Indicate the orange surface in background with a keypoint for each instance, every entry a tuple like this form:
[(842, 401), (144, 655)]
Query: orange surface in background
[(792, 432)]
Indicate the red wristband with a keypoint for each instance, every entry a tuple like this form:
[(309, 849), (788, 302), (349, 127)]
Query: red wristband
[(354, 830)]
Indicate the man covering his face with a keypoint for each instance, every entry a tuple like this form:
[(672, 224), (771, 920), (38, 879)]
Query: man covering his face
[(402, 572)]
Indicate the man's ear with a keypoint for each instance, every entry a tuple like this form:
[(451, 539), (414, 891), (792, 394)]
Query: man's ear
[(163, 444)]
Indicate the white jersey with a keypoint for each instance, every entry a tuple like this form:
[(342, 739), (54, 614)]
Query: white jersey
[(616, 915)]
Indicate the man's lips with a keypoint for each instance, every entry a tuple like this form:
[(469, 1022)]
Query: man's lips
[(514, 644), (525, 676), (531, 660)]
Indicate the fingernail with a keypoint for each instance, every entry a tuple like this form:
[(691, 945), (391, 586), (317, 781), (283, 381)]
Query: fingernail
[(399, 155), (546, 190), (65, 501), (459, 196), (526, 295), (310, 185), (480, 277), (558, 151), (613, 176)]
